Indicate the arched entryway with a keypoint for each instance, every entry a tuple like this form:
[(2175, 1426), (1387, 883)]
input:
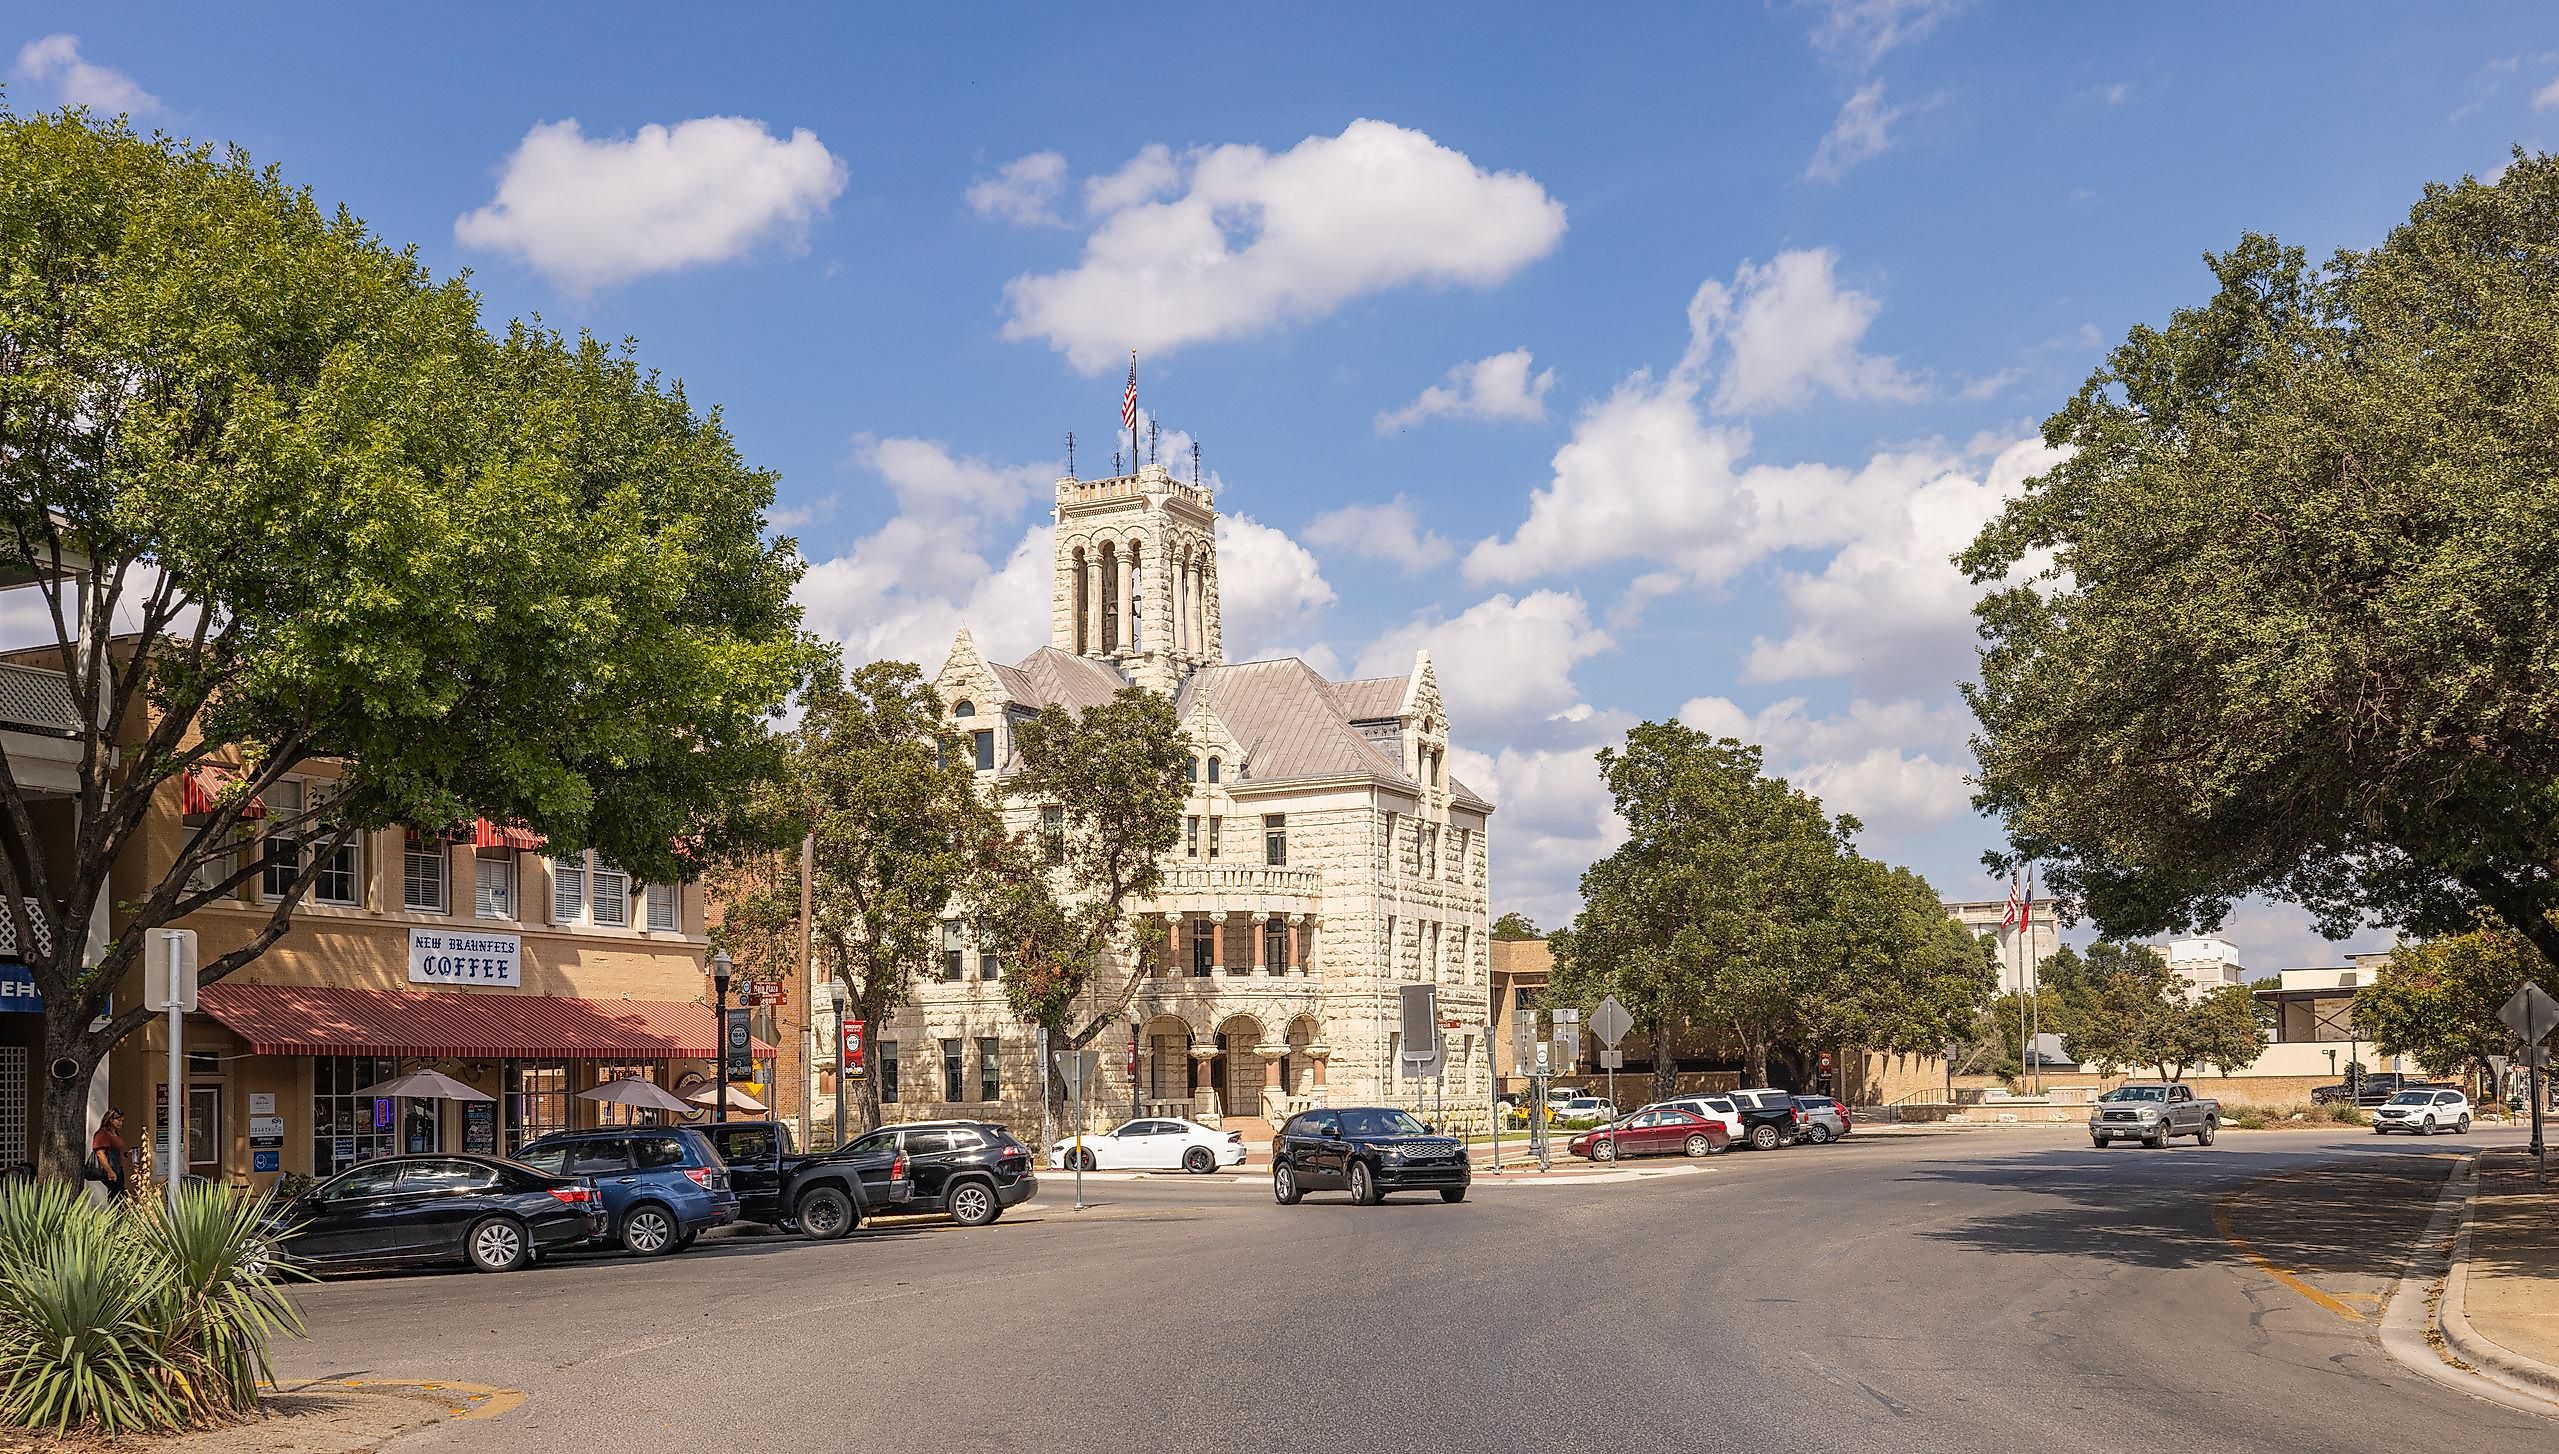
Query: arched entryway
[(1167, 1071), (1240, 1074), (1299, 1073)]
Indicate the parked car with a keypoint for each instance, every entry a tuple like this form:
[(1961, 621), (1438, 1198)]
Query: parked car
[(2153, 1112), (1769, 1118), (1582, 1108), (495, 1214), (1151, 1143), (1368, 1151), (2377, 1087), (820, 1196), (1717, 1108), (1659, 1131), (662, 1186), (972, 1170), (1825, 1120), (2423, 1113)]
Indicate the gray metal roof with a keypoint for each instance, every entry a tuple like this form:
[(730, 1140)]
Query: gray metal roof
[(1054, 678), (1287, 721), (1371, 699)]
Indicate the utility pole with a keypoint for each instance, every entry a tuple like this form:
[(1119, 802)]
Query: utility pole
[(178, 1084)]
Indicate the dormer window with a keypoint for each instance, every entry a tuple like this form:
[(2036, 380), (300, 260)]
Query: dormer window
[(965, 709), (1213, 769)]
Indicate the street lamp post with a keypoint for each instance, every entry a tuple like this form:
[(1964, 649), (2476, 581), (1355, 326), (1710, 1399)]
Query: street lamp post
[(843, 1087), (721, 964)]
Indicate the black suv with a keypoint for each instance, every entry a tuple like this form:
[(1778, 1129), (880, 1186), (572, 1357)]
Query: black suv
[(821, 1196), (973, 1170), (1770, 1118), (1367, 1151)]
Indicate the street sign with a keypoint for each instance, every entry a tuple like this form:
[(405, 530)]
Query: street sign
[(2531, 1014), (737, 1043), (161, 950), (1825, 1062), (1430, 1064), (1568, 1040), (1525, 1049), (1612, 1060), (1421, 1022), (1610, 1022), (1079, 1069), (851, 1065)]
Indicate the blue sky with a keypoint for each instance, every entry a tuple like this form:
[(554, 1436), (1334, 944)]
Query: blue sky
[(1637, 365)]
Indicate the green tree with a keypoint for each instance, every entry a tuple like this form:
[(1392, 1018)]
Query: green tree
[(275, 499), (1736, 905), (881, 790), (1515, 926), (2437, 1002), (2280, 617), (2121, 1007), (1104, 788)]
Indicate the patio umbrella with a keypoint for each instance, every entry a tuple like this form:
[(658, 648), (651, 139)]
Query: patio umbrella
[(738, 1099), (424, 1085), (640, 1094)]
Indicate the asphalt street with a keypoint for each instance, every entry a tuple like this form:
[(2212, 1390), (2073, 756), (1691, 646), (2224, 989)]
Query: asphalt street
[(1997, 1291)]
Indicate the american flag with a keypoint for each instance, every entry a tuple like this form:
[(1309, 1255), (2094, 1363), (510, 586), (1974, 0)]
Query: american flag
[(1128, 400), (2010, 918)]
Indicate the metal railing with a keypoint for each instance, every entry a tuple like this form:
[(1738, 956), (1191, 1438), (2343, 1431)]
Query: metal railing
[(37, 700)]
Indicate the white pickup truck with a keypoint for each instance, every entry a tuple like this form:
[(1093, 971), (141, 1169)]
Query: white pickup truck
[(2151, 1111)]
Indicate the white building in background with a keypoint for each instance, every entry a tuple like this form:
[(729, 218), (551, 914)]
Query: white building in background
[(1327, 856), (2205, 964), (2022, 954)]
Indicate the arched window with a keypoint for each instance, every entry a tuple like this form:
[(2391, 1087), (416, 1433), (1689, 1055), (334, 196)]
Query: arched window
[(965, 709), (1195, 767), (1212, 769)]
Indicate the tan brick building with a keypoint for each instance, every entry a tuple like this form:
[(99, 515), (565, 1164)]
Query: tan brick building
[(1327, 855)]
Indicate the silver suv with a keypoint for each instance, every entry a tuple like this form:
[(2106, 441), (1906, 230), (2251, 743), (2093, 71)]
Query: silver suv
[(1825, 1119)]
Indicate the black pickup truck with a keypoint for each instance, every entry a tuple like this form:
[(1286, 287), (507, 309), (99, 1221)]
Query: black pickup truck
[(821, 1195)]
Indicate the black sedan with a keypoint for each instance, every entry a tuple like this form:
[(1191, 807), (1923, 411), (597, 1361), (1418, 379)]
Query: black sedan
[(497, 1215), (1367, 1151)]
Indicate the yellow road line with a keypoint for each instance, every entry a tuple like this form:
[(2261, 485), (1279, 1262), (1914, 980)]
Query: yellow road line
[(2248, 1249)]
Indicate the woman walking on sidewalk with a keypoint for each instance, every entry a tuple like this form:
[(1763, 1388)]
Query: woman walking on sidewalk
[(109, 1157)]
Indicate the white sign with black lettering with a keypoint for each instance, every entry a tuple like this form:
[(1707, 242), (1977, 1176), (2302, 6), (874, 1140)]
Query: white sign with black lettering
[(465, 956)]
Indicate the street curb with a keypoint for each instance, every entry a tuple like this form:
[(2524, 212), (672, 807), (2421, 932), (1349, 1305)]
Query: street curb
[(2529, 1375), (2422, 1327)]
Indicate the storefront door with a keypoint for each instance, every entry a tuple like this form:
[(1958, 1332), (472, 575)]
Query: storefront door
[(204, 1131)]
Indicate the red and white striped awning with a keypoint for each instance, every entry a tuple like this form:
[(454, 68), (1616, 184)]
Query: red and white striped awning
[(485, 834), (207, 781), (462, 1024)]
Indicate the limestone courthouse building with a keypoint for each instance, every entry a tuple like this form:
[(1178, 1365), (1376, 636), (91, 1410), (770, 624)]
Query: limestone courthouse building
[(1327, 857)]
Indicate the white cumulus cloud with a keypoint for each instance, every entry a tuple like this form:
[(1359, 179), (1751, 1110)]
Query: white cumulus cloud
[(1503, 663), (55, 62), (1022, 191), (1499, 387), (1270, 590), (1554, 820), (1390, 532), (588, 213), (1788, 330), (1899, 766), (1232, 239)]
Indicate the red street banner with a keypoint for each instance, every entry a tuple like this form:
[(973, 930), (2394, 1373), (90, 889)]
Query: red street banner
[(852, 1060)]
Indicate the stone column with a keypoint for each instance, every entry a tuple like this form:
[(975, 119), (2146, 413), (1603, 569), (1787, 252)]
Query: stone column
[(1093, 568), (1259, 919), (1305, 943), (1271, 1055), (1216, 941), (1128, 598), (1319, 1052), (1204, 1078)]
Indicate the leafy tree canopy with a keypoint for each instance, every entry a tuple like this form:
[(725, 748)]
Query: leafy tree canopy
[(1104, 788), (2122, 1008), (2281, 618), (276, 499), (2437, 1002), (1516, 926), (882, 792)]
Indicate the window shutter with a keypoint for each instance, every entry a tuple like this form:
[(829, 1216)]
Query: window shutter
[(568, 891)]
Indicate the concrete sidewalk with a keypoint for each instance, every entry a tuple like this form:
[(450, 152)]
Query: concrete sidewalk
[(2500, 1311)]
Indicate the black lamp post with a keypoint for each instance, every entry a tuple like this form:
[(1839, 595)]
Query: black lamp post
[(720, 966), (843, 1086)]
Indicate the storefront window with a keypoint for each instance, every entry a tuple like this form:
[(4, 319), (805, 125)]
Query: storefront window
[(422, 1126), (538, 1102), (888, 1072), (347, 1128)]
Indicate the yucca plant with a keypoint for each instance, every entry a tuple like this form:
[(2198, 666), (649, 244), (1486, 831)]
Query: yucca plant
[(136, 1318), (76, 1348), (218, 1302)]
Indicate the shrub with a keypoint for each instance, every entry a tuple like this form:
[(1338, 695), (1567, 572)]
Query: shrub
[(140, 1318)]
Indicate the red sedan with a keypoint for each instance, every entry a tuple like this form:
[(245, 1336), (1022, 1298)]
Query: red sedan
[(1653, 1133)]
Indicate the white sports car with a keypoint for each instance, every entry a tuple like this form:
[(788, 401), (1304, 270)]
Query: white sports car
[(1152, 1143)]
